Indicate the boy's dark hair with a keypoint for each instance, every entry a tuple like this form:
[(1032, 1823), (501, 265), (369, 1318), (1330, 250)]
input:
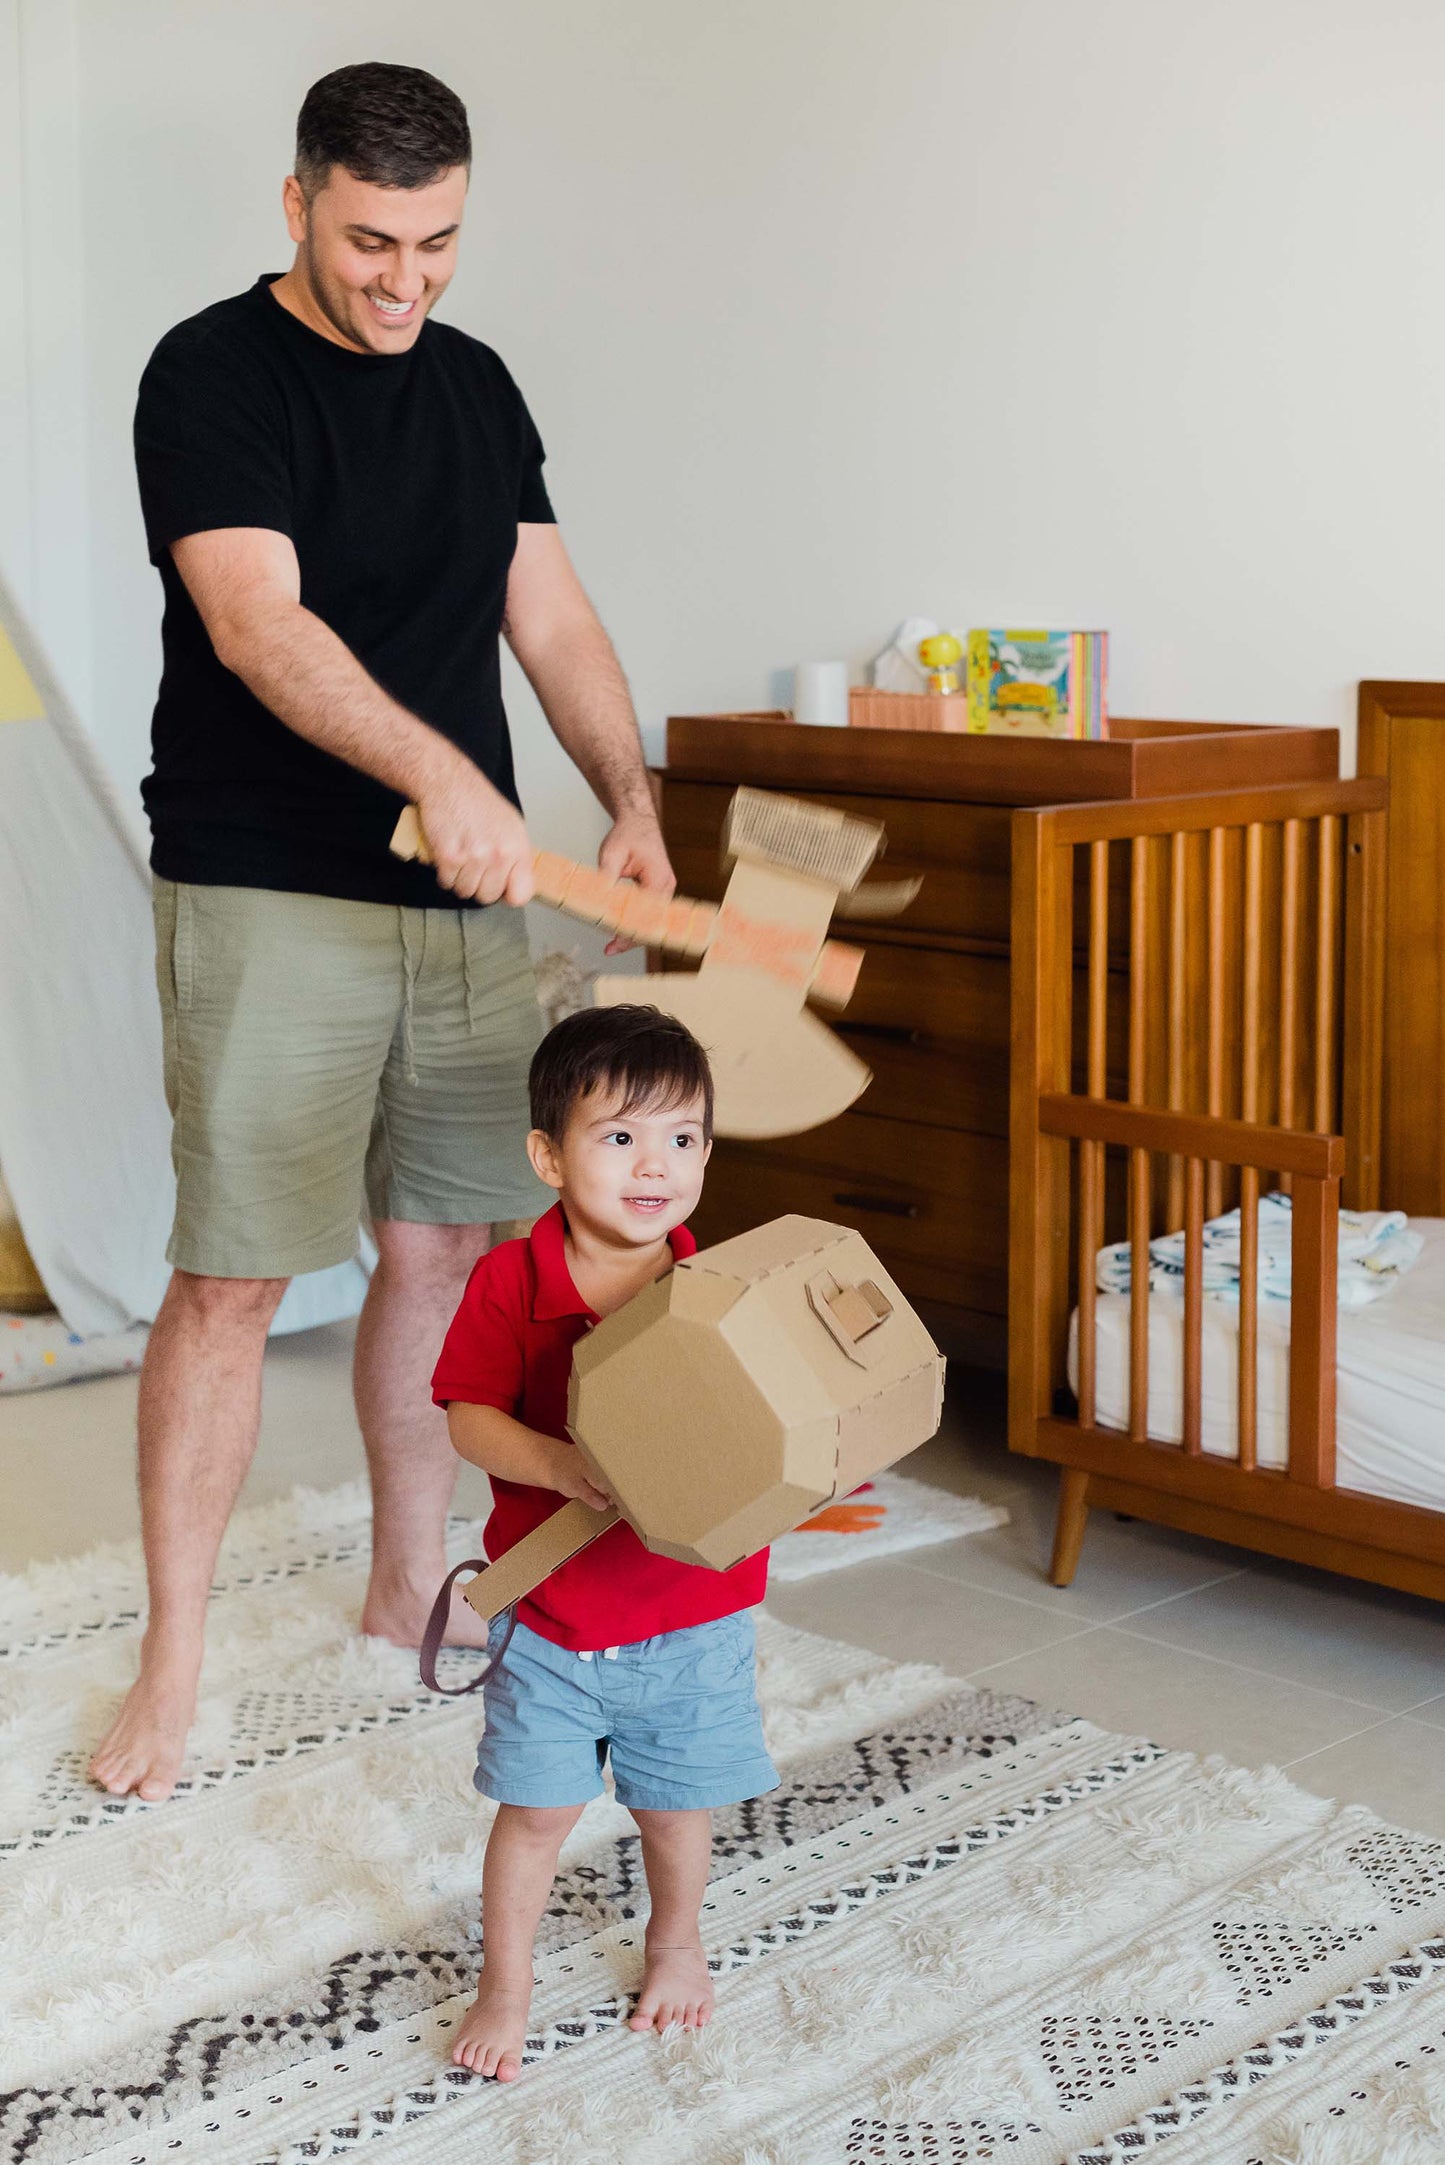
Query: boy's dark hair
[(396, 127), (649, 1058)]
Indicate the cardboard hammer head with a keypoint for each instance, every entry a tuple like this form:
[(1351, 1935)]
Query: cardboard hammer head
[(751, 1384)]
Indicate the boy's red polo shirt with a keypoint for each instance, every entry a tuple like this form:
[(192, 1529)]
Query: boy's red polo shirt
[(510, 1345)]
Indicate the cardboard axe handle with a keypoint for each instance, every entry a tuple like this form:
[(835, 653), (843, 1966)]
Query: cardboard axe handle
[(677, 923), (530, 1560)]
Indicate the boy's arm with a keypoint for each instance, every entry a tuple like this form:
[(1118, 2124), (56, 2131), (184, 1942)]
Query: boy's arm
[(500, 1445)]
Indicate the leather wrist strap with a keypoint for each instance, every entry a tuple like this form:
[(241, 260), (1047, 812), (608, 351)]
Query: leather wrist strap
[(434, 1635)]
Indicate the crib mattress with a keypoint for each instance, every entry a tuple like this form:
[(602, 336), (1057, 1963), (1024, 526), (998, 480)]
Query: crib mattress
[(1391, 1379)]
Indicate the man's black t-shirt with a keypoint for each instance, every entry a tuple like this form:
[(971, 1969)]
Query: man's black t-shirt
[(401, 480)]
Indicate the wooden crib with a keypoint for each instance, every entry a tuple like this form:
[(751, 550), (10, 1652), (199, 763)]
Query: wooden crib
[(1197, 1009)]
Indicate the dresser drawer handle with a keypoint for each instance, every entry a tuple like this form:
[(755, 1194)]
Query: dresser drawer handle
[(883, 1033), (889, 1205)]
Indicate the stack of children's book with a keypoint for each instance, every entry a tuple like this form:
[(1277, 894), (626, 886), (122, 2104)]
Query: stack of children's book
[(1038, 683)]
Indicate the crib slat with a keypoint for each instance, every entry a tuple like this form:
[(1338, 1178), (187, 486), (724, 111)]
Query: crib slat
[(1215, 1194), (1248, 1317), (1091, 1154), (1178, 994), (1249, 1176), (1314, 1265), (1289, 969), (1138, 965), (1326, 941), (1193, 1305), (1098, 968), (1139, 1175), (1253, 945), (1140, 1169)]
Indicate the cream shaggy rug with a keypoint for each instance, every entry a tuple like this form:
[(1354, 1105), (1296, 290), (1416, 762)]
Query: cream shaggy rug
[(883, 1518), (963, 1928)]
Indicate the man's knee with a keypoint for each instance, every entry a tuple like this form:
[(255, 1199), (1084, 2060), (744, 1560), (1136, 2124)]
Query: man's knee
[(430, 1251), (237, 1303)]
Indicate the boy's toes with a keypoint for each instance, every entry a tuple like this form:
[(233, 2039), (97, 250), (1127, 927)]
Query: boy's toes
[(508, 2067)]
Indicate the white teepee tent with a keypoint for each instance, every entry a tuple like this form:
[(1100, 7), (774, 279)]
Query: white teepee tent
[(84, 1132)]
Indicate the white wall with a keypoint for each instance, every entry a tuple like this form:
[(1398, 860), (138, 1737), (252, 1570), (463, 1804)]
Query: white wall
[(1126, 313), (44, 486)]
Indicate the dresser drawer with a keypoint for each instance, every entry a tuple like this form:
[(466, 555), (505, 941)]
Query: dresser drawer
[(932, 1203), (934, 1028), (961, 850)]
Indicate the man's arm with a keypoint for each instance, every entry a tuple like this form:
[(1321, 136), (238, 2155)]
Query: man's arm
[(246, 583), (556, 635)]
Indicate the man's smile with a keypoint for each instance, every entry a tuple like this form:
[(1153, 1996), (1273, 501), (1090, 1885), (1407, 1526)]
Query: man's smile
[(392, 312)]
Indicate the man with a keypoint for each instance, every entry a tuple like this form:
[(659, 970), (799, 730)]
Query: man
[(345, 502)]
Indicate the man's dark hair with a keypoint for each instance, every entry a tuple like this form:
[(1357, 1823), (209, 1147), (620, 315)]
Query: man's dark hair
[(396, 127), (650, 1059)]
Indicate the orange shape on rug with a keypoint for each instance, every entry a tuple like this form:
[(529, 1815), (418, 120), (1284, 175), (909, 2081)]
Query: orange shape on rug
[(846, 1518)]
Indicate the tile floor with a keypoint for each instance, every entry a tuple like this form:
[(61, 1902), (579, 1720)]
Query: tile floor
[(1192, 1643)]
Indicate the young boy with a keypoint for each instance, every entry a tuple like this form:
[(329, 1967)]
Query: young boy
[(619, 1650)]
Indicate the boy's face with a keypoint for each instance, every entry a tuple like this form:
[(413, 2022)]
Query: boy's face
[(628, 1176)]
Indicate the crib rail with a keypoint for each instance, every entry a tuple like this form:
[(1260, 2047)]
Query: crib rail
[(1187, 976)]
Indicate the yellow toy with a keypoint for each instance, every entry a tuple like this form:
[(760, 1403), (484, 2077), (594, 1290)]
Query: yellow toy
[(938, 656)]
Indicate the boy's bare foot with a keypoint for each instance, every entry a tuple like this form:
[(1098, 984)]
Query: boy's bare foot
[(493, 2031), (142, 1751), (676, 1987), (398, 1611)]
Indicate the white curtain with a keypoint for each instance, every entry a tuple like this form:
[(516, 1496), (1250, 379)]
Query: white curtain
[(84, 1132)]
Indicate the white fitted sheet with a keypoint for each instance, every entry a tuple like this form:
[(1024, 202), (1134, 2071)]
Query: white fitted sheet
[(1390, 1391)]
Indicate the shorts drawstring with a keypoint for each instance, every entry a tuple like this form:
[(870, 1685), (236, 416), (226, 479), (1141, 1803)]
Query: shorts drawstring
[(408, 1023), (462, 916), (609, 1653)]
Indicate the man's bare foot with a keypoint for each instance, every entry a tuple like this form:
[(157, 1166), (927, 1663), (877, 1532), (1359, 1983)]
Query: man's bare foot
[(142, 1751), (676, 1987), (398, 1610), (493, 2031)]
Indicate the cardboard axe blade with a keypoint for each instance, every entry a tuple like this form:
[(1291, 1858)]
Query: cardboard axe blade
[(764, 952)]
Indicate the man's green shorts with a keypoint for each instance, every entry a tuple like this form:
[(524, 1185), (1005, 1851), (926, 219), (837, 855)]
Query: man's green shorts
[(323, 1057)]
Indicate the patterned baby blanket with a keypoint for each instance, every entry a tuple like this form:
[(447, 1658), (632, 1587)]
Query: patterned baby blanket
[(1376, 1247)]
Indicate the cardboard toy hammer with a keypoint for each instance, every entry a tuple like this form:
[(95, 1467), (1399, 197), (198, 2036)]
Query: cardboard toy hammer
[(763, 953), (750, 1384)]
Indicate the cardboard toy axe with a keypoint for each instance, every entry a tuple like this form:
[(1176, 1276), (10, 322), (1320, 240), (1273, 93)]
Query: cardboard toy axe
[(726, 1402), (763, 951)]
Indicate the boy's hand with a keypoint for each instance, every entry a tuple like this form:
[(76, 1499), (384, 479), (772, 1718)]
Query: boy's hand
[(570, 1477)]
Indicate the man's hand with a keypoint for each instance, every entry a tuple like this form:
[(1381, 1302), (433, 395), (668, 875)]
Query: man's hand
[(478, 842), (568, 1476), (634, 850)]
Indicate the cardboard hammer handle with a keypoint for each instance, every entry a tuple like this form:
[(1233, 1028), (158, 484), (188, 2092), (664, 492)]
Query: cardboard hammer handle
[(538, 1553)]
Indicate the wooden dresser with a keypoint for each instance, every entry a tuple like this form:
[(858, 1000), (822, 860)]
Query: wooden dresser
[(920, 1165)]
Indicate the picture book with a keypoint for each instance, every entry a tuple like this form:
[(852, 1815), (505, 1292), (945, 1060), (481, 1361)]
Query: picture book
[(1038, 683)]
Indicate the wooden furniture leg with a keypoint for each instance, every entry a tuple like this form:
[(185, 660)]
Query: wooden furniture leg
[(1069, 1528)]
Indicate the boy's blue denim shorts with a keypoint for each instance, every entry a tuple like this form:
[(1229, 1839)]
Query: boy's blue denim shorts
[(678, 1713)]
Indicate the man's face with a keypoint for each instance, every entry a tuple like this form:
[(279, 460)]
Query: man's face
[(375, 261)]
